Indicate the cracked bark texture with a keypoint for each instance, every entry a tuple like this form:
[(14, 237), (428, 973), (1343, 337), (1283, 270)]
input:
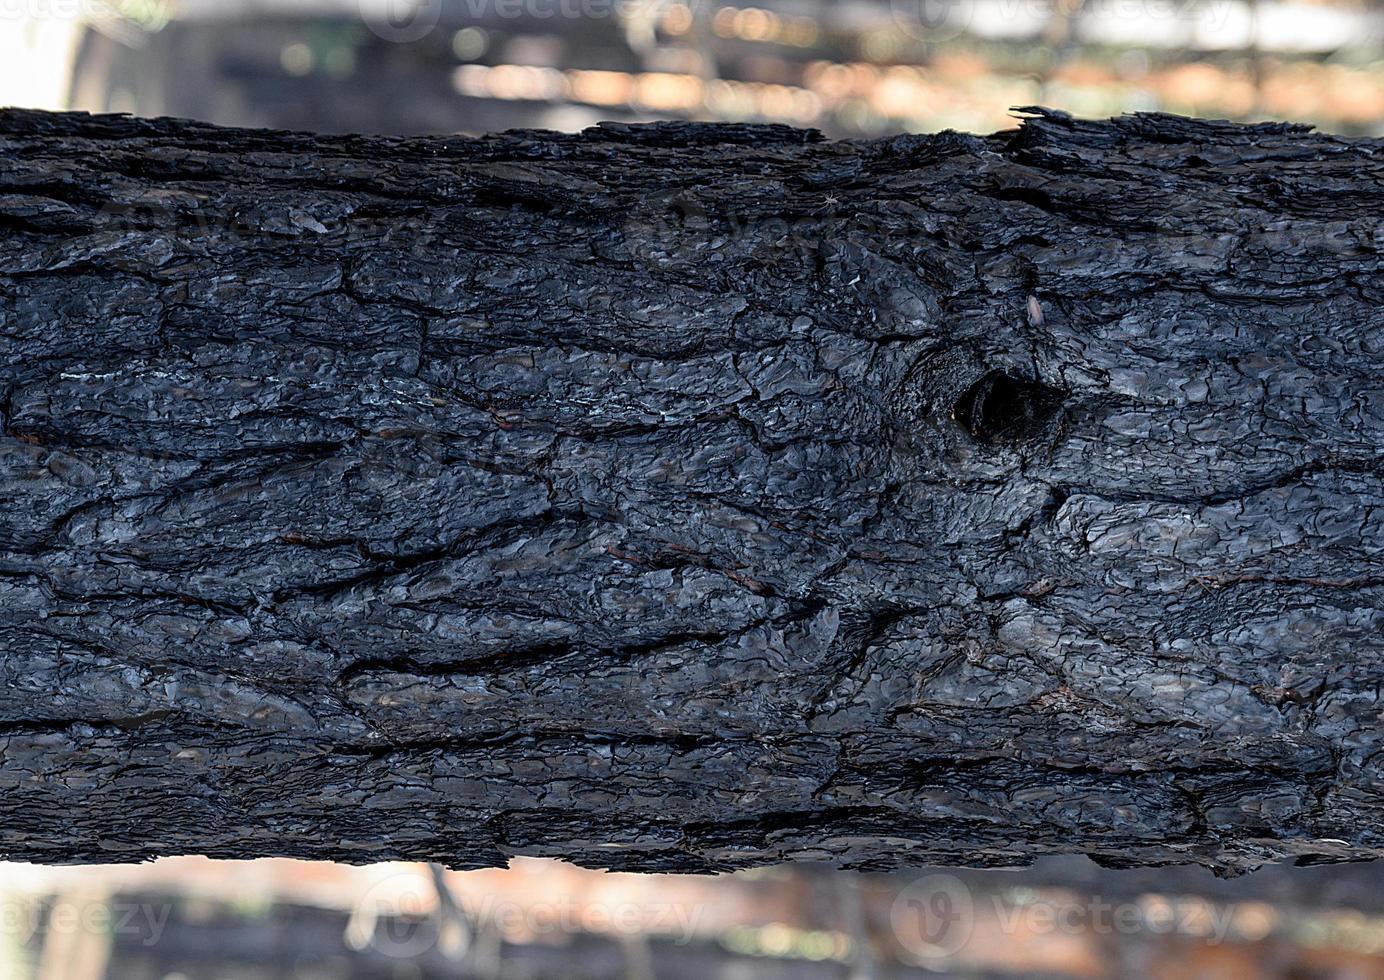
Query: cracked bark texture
[(686, 497)]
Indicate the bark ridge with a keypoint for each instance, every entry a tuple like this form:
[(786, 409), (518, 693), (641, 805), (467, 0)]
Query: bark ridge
[(685, 497)]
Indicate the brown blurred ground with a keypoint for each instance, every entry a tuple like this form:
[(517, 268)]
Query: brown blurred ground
[(193, 918)]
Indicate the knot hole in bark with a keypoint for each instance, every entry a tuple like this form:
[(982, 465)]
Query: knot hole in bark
[(1002, 409)]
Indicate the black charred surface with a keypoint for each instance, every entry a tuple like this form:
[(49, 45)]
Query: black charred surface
[(686, 497)]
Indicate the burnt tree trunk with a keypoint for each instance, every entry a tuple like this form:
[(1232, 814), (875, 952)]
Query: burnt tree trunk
[(688, 497)]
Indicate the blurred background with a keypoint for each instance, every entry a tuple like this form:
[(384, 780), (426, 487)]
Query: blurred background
[(855, 68), (186, 918), (850, 68)]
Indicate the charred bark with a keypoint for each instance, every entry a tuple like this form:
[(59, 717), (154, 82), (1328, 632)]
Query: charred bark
[(689, 497)]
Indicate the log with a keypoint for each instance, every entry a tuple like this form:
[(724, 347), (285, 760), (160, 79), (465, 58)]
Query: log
[(689, 497)]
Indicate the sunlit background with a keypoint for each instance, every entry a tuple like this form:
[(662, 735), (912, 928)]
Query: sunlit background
[(857, 68)]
